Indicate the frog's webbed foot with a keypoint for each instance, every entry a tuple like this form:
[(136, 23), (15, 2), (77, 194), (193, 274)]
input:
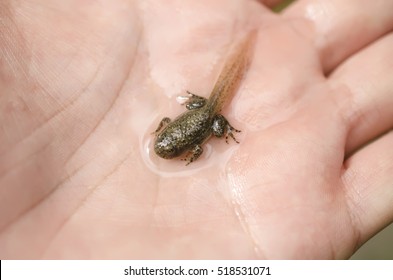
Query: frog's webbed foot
[(161, 125), (194, 101), (222, 127), (193, 154)]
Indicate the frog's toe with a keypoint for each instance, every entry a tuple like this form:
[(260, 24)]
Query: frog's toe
[(193, 154), (164, 122), (230, 131)]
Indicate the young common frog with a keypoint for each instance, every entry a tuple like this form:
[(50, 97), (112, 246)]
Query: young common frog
[(191, 129)]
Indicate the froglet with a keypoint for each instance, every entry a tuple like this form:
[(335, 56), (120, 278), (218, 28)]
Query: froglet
[(191, 129)]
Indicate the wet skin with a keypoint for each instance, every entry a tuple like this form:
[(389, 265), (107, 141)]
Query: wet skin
[(191, 129)]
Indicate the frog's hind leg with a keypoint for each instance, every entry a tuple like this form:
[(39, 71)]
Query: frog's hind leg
[(194, 101), (222, 127), (194, 154), (162, 123)]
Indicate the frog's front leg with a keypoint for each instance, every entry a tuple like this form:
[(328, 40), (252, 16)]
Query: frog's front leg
[(194, 101), (222, 127), (163, 122), (193, 154)]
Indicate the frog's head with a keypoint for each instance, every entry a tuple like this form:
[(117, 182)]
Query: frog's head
[(165, 147)]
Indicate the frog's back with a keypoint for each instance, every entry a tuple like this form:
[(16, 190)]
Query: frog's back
[(183, 133), (192, 127)]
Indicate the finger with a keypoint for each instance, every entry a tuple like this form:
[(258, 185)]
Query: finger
[(340, 28), (367, 75), (368, 181)]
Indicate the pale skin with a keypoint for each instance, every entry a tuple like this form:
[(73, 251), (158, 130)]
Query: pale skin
[(83, 83)]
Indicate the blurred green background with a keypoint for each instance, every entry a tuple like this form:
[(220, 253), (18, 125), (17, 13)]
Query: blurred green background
[(381, 245), (282, 6)]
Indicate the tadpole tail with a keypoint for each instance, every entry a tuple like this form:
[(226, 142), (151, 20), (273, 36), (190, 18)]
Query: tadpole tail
[(231, 75)]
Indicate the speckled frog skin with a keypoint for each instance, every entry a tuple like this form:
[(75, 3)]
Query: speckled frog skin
[(191, 129)]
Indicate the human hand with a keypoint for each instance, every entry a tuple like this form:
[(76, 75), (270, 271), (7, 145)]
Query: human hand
[(83, 85)]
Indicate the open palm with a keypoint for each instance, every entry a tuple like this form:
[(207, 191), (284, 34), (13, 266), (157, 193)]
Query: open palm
[(84, 83)]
